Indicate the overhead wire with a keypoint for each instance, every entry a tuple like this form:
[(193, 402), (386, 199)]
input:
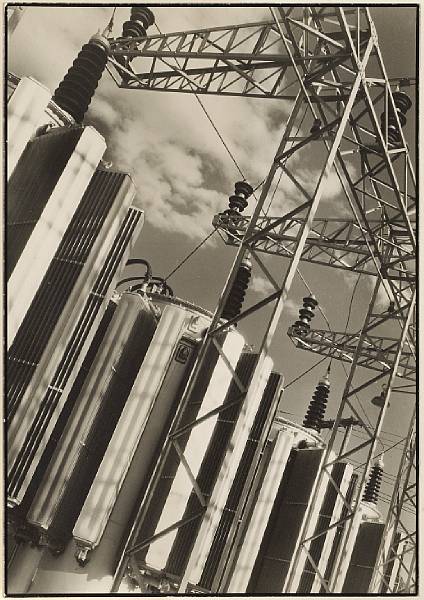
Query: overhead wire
[(241, 173), (190, 254), (305, 372), (230, 154)]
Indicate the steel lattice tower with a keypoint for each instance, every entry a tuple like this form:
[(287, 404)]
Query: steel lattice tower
[(327, 61)]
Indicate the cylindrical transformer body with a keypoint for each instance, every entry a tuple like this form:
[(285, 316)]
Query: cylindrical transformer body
[(174, 488), (127, 339), (48, 347), (147, 409), (234, 490)]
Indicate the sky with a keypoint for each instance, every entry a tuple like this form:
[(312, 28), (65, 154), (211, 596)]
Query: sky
[(184, 175)]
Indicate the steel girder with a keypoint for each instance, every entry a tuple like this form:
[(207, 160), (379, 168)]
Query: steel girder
[(395, 570), (333, 242), (377, 350), (322, 57), (236, 60)]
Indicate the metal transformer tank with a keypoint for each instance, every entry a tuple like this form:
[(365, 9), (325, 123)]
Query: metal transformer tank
[(49, 345), (274, 515), (204, 447), (44, 191), (115, 433)]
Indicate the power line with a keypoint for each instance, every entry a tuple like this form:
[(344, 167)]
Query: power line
[(180, 264), (238, 167), (230, 154), (305, 372)]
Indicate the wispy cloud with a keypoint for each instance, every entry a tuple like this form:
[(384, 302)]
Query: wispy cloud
[(182, 171), (263, 286)]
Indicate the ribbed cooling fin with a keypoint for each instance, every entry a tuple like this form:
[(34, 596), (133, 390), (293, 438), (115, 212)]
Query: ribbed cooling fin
[(323, 523), (209, 469), (281, 534), (220, 540), (67, 409), (56, 286), (113, 401), (339, 531), (31, 184), (172, 462), (364, 555), (47, 306)]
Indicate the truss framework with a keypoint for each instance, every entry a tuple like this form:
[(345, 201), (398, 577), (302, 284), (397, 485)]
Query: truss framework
[(322, 55), (376, 353), (395, 571), (332, 242)]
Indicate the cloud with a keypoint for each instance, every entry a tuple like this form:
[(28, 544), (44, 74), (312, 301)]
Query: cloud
[(260, 285), (180, 166), (264, 287)]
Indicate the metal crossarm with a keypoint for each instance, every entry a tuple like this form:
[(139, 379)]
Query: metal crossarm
[(332, 242), (237, 60), (376, 354)]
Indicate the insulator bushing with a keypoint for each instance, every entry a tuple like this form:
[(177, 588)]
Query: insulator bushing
[(402, 101), (238, 201), (77, 88), (316, 409), (402, 104), (140, 20), (302, 325), (237, 294), (372, 488)]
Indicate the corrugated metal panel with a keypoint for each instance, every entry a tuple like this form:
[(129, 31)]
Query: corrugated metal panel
[(91, 424), (90, 252), (339, 531), (256, 525), (85, 342), (43, 197), (227, 474), (238, 493), (174, 487), (364, 555), (26, 107), (325, 517), (208, 472), (282, 532), (71, 399), (133, 420)]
